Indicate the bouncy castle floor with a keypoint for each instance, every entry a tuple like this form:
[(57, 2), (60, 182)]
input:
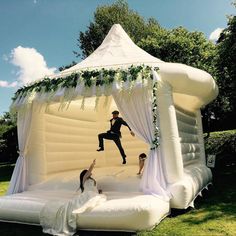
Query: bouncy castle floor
[(126, 207)]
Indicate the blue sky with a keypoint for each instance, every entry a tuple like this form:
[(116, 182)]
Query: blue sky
[(38, 36)]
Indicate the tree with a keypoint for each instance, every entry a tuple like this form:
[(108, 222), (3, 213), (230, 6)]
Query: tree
[(177, 45), (68, 66), (8, 118), (107, 15), (180, 45), (8, 138), (225, 108)]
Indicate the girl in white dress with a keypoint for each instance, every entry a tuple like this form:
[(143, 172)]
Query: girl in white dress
[(59, 218), (86, 181)]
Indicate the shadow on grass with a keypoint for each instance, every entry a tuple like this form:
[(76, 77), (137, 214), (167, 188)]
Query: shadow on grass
[(10, 229), (103, 233)]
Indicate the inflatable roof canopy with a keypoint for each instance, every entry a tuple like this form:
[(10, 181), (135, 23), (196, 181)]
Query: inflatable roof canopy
[(58, 127)]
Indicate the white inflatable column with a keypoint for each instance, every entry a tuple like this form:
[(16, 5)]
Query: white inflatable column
[(200, 137), (36, 154), (170, 141)]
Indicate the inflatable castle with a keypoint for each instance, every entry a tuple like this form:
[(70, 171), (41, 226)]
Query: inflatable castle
[(60, 116)]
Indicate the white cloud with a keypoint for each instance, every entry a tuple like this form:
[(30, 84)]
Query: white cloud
[(215, 34), (6, 84), (31, 63)]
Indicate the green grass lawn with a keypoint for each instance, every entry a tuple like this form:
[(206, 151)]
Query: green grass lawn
[(214, 213), (3, 187)]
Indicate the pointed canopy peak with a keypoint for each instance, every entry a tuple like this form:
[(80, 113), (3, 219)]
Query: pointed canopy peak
[(117, 49), (117, 36)]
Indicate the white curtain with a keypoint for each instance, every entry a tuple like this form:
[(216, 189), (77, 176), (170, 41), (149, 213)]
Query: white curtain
[(137, 111), (18, 181)]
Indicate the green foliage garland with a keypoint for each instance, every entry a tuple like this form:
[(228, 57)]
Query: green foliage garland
[(155, 142), (89, 78)]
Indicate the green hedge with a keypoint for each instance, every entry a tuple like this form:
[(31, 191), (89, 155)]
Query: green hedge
[(8, 143), (223, 145)]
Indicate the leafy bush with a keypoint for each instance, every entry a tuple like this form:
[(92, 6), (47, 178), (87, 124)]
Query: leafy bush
[(8, 138), (223, 145)]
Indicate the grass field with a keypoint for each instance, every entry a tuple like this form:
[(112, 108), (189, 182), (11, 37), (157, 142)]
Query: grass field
[(214, 213)]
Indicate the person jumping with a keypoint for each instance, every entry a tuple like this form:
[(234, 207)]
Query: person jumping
[(114, 134)]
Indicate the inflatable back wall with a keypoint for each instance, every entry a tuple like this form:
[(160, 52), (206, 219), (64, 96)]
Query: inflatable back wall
[(66, 139), (188, 133)]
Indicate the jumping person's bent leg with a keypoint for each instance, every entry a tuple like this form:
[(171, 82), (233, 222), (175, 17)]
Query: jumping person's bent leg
[(122, 152), (100, 139)]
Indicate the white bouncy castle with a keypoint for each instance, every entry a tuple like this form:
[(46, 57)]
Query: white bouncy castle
[(59, 118)]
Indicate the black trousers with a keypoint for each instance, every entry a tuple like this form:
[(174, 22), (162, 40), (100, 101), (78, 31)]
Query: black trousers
[(115, 138)]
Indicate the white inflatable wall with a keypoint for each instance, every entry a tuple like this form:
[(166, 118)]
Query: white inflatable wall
[(64, 140), (188, 133)]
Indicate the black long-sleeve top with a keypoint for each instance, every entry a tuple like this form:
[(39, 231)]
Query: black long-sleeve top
[(115, 128)]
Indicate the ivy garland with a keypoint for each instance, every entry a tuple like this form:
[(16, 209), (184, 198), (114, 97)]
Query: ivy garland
[(89, 78), (155, 142)]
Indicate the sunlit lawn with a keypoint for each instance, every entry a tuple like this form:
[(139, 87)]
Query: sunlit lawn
[(214, 214), (3, 187)]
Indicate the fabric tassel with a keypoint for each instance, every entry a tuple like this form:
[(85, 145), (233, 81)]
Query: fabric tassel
[(83, 104), (96, 103), (106, 101)]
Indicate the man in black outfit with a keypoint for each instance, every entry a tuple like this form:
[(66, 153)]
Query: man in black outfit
[(114, 134)]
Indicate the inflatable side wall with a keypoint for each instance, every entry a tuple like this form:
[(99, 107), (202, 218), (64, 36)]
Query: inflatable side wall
[(182, 147)]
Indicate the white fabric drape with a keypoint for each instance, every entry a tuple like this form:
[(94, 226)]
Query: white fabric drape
[(137, 111), (18, 181), (59, 217)]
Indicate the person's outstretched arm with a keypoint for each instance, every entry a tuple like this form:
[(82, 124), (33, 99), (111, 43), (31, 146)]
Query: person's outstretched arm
[(141, 165), (125, 123), (88, 173)]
